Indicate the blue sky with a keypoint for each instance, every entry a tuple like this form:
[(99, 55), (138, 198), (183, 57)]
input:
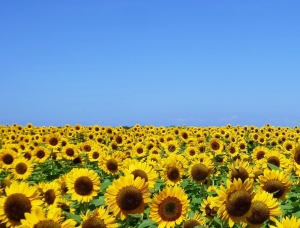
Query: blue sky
[(161, 63)]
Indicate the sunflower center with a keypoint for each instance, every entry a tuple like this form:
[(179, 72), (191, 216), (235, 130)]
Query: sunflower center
[(129, 198), (242, 146), (40, 154), (93, 222), (239, 173), (192, 152), (15, 206), (53, 141), (119, 139), (297, 157), (238, 203), (27, 155), (184, 135), (8, 159), (83, 185), (191, 223), (171, 148), (139, 150), (112, 165), (170, 209), (215, 146), (87, 148), (259, 213), (50, 196), (274, 161), (260, 155), (140, 173), (272, 186), (70, 152), (46, 224), (21, 168), (232, 150), (95, 155), (210, 212), (77, 160), (173, 173), (199, 172)]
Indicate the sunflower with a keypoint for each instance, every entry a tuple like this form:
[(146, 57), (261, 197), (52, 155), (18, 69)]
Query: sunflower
[(40, 154), (70, 151), (98, 218), (191, 152), (240, 169), (127, 195), (143, 170), (288, 146), (207, 209), (195, 220), (170, 147), (275, 181), (287, 222), (51, 192), (172, 171), (259, 153), (7, 158), (53, 141), (83, 184), (232, 150), (139, 150), (295, 159), (200, 171), (216, 145), (95, 154), (22, 168), (111, 163), (87, 146), (20, 198), (263, 207), (234, 202), (276, 158), (169, 207), (52, 218)]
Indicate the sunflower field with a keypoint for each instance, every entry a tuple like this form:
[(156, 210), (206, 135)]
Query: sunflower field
[(146, 176)]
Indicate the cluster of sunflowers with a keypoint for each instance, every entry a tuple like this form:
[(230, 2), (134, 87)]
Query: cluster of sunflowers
[(146, 176)]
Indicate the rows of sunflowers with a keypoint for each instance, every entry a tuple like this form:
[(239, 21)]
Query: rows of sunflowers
[(146, 176)]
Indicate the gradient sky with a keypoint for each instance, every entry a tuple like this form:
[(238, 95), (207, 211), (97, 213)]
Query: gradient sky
[(161, 63)]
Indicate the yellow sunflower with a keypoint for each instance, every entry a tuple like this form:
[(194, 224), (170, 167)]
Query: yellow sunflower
[(172, 172), (170, 147), (51, 192), (22, 168), (169, 207), (286, 222), (53, 141), (232, 149), (191, 152), (40, 154), (195, 220), (216, 145), (234, 202), (7, 158), (275, 181), (99, 218), (143, 170), (259, 153), (127, 195), (52, 218), (70, 151), (20, 198), (240, 169), (139, 150), (83, 184), (295, 159), (207, 209), (111, 163), (200, 171), (263, 207), (275, 157)]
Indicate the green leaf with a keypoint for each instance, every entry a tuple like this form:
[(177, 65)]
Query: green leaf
[(99, 202), (77, 218), (146, 223), (105, 184), (136, 215), (273, 167)]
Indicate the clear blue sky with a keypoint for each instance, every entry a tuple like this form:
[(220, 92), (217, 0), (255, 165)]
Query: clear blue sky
[(199, 63)]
